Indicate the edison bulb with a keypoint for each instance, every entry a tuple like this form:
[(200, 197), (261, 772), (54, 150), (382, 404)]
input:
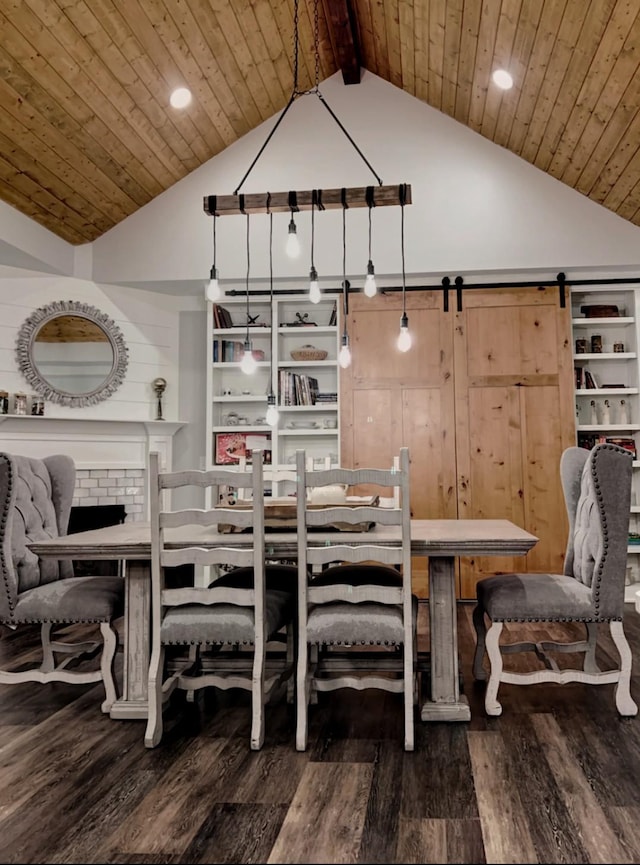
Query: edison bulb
[(370, 287), (212, 288), (293, 244), (404, 337), (272, 414), (314, 286), (344, 358), (248, 364)]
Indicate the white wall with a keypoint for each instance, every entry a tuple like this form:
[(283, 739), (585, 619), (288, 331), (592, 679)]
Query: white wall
[(477, 207)]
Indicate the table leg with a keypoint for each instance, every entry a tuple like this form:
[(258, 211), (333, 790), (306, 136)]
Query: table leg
[(137, 638), (445, 702)]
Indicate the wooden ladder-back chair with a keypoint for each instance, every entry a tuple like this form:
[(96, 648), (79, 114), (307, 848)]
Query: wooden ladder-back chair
[(35, 503), (364, 601), (243, 607), (597, 491)]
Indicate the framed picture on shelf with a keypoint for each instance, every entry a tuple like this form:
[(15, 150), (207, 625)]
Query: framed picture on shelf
[(231, 447)]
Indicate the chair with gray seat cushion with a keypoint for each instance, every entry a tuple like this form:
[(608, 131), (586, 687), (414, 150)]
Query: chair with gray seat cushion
[(597, 491), (356, 612), (35, 503), (219, 633)]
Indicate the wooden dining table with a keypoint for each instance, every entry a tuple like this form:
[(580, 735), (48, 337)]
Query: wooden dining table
[(441, 540)]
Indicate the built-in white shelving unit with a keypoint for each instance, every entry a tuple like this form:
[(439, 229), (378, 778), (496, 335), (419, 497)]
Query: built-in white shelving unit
[(307, 391), (607, 384)]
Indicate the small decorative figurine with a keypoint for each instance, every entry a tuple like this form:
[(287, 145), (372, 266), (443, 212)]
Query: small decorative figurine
[(594, 413), (159, 386), (606, 412), (623, 415)]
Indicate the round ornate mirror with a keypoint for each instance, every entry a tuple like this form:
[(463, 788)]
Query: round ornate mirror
[(71, 353)]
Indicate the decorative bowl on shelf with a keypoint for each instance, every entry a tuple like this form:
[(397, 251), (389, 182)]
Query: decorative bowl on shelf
[(600, 310), (308, 352), (303, 424)]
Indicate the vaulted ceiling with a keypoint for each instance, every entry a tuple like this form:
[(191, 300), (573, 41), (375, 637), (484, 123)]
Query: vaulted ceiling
[(87, 135)]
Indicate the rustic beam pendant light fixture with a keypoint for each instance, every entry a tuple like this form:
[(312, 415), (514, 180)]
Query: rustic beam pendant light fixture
[(294, 201), (314, 200)]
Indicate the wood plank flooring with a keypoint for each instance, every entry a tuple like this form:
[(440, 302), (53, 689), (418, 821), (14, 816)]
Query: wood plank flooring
[(555, 779)]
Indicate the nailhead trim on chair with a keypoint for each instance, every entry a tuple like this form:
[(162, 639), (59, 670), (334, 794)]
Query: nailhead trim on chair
[(3, 524), (357, 643), (57, 621), (207, 642)]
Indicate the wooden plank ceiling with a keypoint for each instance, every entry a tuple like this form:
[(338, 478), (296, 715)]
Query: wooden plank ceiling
[(87, 135)]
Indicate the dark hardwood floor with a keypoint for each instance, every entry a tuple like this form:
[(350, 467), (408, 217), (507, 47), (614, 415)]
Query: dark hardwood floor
[(555, 779)]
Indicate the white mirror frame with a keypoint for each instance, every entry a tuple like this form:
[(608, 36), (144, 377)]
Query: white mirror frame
[(24, 353)]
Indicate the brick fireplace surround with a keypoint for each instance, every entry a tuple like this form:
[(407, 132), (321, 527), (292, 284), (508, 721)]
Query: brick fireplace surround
[(112, 487)]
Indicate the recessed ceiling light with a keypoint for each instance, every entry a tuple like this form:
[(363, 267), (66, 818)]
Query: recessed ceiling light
[(180, 97), (502, 79)]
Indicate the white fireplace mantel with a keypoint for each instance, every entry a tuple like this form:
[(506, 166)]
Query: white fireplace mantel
[(93, 443)]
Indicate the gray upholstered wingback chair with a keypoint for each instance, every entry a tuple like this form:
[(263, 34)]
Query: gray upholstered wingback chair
[(35, 503), (597, 491)]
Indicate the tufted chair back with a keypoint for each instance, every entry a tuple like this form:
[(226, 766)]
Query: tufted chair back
[(597, 490), (588, 593), (35, 503)]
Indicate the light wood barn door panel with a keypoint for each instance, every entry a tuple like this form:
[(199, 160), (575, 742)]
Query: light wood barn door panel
[(389, 399), (514, 417)]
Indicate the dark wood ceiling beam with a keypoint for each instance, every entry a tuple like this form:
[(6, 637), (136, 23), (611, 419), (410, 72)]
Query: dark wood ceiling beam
[(343, 32)]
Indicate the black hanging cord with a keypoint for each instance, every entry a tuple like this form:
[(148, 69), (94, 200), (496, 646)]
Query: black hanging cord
[(370, 204), (296, 93), (270, 394), (403, 195), (313, 208), (345, 284), (214, 273), (247, 279)]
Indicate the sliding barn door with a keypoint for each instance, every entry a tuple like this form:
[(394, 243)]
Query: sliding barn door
[(514, 411), (389, 400)]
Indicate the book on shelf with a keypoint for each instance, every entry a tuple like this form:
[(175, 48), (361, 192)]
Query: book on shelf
[(590, 381), (333, 318), (590, 440), (626, 443), (221, 316)]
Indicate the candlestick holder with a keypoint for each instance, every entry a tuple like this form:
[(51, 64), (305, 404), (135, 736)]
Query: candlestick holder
[(159, 386)]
